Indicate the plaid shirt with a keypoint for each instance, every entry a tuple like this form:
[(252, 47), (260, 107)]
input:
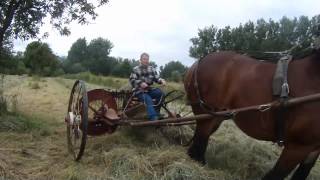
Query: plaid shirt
[(145, 74)]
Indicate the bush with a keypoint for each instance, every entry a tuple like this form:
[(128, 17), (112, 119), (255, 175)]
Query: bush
[(176, 76), (21, 68), (58, 72), (34, 85), (76, 68), (46, 71)]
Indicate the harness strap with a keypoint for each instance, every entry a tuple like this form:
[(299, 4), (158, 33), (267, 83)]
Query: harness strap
[(203, 105), (281, 76)]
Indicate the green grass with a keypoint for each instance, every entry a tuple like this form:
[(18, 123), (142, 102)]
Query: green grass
[(108, 82), (115, 82), (16, 122)]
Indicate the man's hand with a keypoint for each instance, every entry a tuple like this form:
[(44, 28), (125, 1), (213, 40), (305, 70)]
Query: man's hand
[(143, 85), (163, 82)]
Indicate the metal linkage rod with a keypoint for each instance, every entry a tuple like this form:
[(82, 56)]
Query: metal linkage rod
[(232, 112)]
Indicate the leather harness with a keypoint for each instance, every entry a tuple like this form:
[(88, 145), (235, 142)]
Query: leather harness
[(280, 89)]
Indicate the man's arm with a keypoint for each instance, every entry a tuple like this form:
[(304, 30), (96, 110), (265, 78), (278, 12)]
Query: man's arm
[(157, 78), (134, 80)]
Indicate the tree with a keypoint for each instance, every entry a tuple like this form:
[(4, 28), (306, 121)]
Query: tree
[(93, 57), (123, 68), (78, 51), (98, 60), (99, 48), (40, 58), (205, 43), (23, 18), (173, 70), (252, 38)]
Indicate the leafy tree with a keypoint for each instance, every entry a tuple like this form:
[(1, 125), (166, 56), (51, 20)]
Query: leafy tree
[(204, 43), (296, 33), (123, 68), (98, 60), (78, 51), (21, 68), (99, 48), (176, 76), (173, 70), (224, 38), (13, 64), (40, 58), (23, 18), (75, 68), (93, 57)]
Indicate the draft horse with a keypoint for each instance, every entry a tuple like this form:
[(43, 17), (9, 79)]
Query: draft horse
[(227, 80)]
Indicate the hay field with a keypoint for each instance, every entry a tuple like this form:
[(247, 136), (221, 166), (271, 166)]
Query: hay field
[(141, 153)]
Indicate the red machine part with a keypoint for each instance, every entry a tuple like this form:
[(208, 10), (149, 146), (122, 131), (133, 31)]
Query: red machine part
[(101, 103)]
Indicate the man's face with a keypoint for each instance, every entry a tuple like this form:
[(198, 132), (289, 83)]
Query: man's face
[(144, 60)]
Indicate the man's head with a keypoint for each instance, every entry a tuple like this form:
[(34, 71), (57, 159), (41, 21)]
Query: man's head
[(144, 59)]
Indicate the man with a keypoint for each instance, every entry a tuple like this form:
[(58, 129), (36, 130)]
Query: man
[(141, 79)]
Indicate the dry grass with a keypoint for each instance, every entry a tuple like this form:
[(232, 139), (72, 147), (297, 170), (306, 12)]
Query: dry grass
[(129, 153)]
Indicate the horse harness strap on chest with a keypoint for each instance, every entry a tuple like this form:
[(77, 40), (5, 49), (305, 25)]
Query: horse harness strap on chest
[(281, 90)]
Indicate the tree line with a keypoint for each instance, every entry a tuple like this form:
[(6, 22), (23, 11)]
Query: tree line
[(94, 57), (23, 19), (264, 35)]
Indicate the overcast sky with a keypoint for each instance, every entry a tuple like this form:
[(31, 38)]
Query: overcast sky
[(164, 28)]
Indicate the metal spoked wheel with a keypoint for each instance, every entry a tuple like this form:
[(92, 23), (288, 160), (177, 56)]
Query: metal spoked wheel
[(77, 120)]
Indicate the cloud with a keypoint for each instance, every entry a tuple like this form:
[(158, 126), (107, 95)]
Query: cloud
[(164, 28)]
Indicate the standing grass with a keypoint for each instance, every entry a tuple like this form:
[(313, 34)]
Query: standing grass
[(107, 81), (114, 82), (3, 101), (17, 122)]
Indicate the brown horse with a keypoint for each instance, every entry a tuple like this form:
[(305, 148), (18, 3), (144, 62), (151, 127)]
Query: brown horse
[(227, 80)]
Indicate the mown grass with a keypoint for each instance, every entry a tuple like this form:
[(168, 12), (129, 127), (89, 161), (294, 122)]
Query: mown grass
[(129, 153)]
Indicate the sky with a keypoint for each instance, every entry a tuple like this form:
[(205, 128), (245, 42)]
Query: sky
[(164, 28)]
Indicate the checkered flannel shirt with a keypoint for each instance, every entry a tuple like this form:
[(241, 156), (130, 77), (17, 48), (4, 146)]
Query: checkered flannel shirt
[(145, 74)]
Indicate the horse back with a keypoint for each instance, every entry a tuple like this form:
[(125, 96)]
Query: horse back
[(230, 80)]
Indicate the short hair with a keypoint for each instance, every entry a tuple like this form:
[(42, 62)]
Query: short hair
[(144, 54)]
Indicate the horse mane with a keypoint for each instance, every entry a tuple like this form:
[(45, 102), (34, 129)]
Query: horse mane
[(273, 57)]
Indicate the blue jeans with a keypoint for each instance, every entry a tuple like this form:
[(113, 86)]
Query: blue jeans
[(146, 98)]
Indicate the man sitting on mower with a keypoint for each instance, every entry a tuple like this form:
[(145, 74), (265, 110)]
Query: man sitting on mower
[(141, 79)]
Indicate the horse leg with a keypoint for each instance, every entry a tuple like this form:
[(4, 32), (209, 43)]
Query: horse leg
[(200, 139), (304, 168), (290, 157)]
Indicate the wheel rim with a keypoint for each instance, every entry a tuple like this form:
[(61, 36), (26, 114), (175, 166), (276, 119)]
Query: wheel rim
[(77, 120)]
